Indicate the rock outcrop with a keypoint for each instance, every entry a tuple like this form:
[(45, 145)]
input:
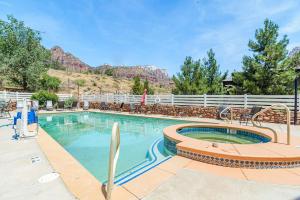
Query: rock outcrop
[(68, 61)]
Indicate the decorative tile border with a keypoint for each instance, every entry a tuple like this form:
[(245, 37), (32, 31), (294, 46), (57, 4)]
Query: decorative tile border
[(238, 163)]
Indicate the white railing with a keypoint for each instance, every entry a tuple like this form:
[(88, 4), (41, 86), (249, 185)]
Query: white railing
[(245, 101)]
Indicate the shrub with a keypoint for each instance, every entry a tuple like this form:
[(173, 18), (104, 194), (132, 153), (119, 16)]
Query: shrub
[(43, 96), (69, 101)]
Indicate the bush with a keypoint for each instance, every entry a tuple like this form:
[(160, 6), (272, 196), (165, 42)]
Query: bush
[(43, 96), (69, 102)]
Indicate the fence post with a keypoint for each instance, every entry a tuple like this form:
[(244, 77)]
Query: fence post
[(5, 95), (205, 100), (172, 99), (245, 101), (106, 97), (17, 96)]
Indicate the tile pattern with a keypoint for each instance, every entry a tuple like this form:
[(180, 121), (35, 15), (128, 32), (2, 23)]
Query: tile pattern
[(238, 163)]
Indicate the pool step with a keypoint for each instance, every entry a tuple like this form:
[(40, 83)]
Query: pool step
[(155, 158)]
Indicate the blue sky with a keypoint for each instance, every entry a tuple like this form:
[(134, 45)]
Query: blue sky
[(155, 32)]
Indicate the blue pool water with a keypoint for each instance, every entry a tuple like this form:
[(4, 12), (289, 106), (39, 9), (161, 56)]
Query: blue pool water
[(86, 136)]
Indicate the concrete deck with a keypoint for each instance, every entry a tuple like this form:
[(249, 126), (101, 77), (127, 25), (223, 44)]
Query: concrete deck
[(19, 176), (178, 178)]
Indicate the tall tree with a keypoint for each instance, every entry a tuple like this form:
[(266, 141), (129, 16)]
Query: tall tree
[(191, 78), (50, 83), (147, 87), (137, 87), (265, 72), (22, 56), (213, 75)]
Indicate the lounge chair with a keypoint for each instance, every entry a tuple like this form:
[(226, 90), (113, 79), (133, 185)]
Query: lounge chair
[(60, 106), (74, 105), (5, 107), (35, 105), (104, 106), (86, 105), (49, 106), (245, 117)]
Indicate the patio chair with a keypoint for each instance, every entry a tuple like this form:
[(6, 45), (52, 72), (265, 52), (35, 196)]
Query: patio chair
[(5, 108), (120, 108), (74, 105), (86, 105), (49, 105), (60, 106), (103, 106), (245, 117), (133, 108), (35, 105)]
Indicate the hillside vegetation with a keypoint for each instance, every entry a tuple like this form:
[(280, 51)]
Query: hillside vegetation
[(96, 83)]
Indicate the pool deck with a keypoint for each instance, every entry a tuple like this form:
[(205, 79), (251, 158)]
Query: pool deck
[(173, 179)]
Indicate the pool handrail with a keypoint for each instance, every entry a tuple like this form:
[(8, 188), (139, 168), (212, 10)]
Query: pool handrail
[(288, 121), (113, 158), (231, 114)]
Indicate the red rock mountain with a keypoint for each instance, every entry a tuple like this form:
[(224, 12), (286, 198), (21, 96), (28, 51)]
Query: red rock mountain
[(68, 60), (72, 63)]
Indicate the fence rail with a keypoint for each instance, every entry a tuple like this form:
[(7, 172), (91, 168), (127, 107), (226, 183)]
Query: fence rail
[(246, 101)]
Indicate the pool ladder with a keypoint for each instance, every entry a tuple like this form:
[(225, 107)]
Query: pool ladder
[(288, 121), (113, 159), (230, 108)]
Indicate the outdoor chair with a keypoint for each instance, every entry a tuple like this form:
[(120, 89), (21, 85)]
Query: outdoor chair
[(245, 117), (60, 106), (35, 105), (103, 106), (86, 105), (134, 108), (74, 105), (5, 108), (49, 105)]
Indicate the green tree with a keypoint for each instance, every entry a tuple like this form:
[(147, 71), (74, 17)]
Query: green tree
[(213, 75), (266, 71), (50, 83), (137, 87), (22, 56), (149, 89), (191, 78)]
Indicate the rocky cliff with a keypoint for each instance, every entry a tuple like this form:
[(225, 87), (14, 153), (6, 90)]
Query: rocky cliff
[(67, 60), (74, 64)]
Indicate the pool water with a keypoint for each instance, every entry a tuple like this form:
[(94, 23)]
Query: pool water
[(86, 136), (222, 135)]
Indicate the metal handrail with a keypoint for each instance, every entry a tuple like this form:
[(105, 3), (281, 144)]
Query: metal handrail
[(231, 114), (113, 158), (288, 122)]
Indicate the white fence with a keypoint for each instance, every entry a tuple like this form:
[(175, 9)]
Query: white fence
[(245, 101), (16, 96)]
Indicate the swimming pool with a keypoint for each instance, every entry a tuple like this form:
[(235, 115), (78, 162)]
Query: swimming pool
[(86, 136)]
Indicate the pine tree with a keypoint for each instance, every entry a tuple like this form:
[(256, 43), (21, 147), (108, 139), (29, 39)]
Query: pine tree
[(137, 87), (213, 75), (191, 78), (265, 72), (149, 89)]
